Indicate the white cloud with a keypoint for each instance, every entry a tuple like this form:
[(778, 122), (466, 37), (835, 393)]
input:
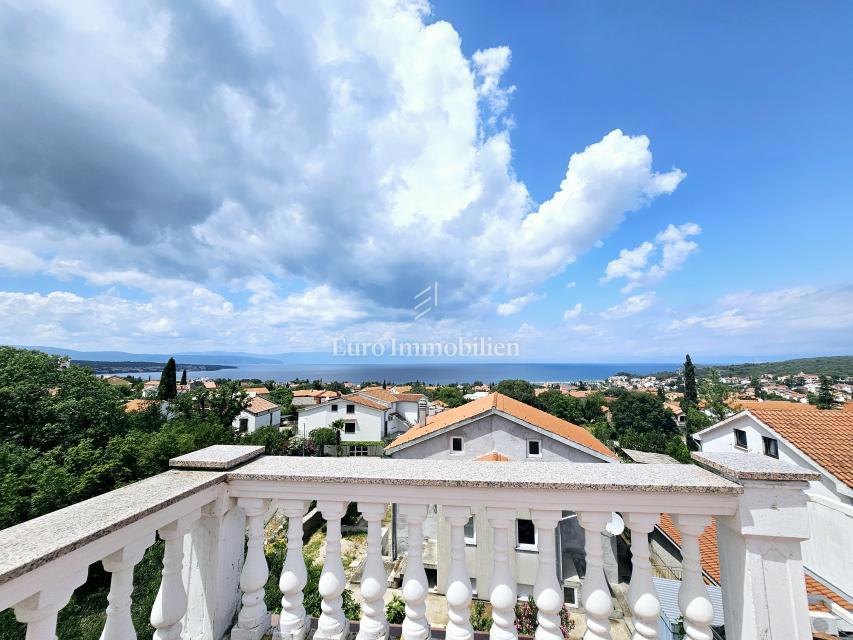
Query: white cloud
[(631, 263), (489, 65), (571, 285), (631, 306), (517, 304), (574, 312), (19, 259)]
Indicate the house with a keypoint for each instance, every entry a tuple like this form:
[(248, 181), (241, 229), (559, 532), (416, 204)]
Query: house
[(116, 381), (821, 441), (307, 397), (255, 391), (259, 412), (132, 406), (209, 384), (476, 395), (150, 388), (497, 429), (368, 416), (679, 415)]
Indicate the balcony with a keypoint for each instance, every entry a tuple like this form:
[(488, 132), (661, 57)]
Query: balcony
[(209, 510)]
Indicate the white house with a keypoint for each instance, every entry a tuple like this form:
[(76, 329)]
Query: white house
[(307, 397), (368, 416), (821, 441), (260, 412), (491, 430), (149, 388)]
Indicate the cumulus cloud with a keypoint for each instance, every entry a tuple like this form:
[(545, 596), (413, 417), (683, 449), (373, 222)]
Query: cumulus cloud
[(574, 312), (258, 147), (631, 306), (674, 246), (517, 304)]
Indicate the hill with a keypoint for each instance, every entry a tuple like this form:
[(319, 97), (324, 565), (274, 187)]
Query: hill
[(835, 366)]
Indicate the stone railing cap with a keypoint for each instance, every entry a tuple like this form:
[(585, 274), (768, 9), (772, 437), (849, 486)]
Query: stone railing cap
[(219, 457), (749, 466), (677, 478)]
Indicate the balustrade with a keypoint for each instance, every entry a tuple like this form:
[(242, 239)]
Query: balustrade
[(38, 574)]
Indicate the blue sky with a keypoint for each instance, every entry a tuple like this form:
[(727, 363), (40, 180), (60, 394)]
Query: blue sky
[(249, 179)]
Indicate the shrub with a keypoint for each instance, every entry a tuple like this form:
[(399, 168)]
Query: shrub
[(525, 619), (324, 436), (395, 610)]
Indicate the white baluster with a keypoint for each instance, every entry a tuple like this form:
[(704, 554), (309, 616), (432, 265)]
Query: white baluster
[(642, 595), (253, 621), (119, 624), (294, 622), (332, 624), (596, 592), (40, 610), (415, 586), (459, 590), (374, 581), (547, 590), (503, 594), (170, 606), (696, 608)]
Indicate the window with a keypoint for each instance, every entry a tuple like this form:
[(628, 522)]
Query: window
[(350, 408), (334, 408), (525, 532), (534, 448), (771, 447), (456, 445), (470, 532), (358, 450), (244, 425), (740, 438), (570, 596), (349, 427)]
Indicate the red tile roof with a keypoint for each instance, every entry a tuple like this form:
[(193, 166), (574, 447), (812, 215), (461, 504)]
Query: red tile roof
[(707, 544), (504, 404), (257, 404), (824, 436)]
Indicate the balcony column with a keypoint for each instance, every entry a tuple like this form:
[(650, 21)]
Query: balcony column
[(595, 590), (642, 595), (503, 594), (415, 586), (293, 622), (374, 581), (459, 590), (253, 621), (170, 606), (119, 624), (40, 610), (547, 590), (764, 593), (332, 624), (696, 608)]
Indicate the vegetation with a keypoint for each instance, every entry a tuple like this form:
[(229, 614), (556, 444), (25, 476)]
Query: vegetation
[(641, 421), (521, 390), (833, 366), (395, 610), (168, 388), (716, 396), (825, 398), (691, 396)]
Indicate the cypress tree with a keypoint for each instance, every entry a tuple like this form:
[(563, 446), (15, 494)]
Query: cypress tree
[(184, 377), (825, 399), (691, 395), (168, 389)]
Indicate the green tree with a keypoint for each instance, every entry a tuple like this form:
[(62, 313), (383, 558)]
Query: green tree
[(642, 422), (691, 394), (521, 390), (661, 393), (825, 398), (168, 389), (184, 377), (716, 395), (755, 383)]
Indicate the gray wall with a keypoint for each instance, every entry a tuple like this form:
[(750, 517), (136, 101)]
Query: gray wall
[(493, 433)]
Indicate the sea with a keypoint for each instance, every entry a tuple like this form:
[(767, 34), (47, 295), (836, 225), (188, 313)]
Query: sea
[(428, 373)]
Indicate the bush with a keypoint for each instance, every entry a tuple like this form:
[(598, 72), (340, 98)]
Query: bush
[(324, 436), (525, 619), (395, 610), (481, 619)]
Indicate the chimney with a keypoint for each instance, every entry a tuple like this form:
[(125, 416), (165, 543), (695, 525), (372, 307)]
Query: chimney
[(423, 409)]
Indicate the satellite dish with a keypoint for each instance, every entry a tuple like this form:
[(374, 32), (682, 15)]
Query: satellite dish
[(616, 525)]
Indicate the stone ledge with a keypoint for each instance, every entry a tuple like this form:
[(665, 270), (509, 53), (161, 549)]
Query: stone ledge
[(750, 466), (218, 457), (653, 478), (31, 544)]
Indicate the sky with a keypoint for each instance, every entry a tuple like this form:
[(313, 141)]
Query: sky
[(609, 181)]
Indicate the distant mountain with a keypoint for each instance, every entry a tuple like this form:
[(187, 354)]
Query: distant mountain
[(207, 357), (835, 366)]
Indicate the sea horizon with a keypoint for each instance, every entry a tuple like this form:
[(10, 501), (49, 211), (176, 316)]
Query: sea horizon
[(436, 373)]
